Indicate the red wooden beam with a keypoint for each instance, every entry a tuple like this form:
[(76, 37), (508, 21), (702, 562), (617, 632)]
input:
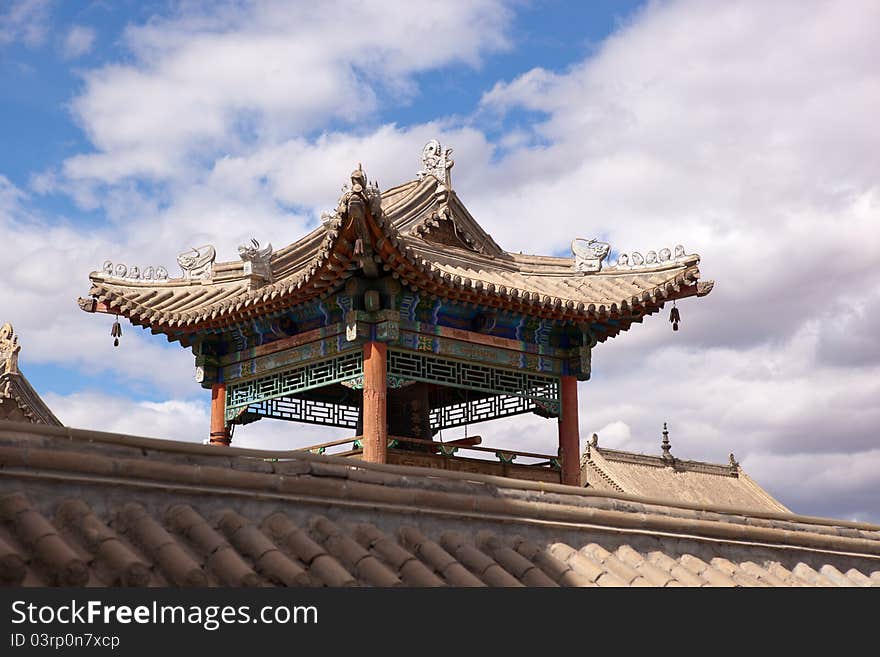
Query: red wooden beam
[(569, 433), (219, 431), (375, 402)]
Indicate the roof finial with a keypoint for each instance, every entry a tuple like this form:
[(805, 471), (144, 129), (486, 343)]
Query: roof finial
[(256, 262), (667, 456), (733, 462), (9, 349), (198, 264), (594, 440), (437, 162), (588, 254)]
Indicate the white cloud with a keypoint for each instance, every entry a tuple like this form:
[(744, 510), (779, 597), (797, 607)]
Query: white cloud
[(78, 42), (204, 84), (834, 484), (615, 433), (178, 420), (25, 21), (39, 299), (746, 133)]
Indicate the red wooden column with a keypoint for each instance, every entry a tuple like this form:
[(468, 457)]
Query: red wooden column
[(375, 438), (219, 432), (569, 434)]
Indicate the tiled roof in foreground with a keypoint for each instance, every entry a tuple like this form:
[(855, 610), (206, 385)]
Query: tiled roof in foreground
[(86, 508)]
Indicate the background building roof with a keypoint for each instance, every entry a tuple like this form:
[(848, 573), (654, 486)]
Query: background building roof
[(673, 479), (18, 400)]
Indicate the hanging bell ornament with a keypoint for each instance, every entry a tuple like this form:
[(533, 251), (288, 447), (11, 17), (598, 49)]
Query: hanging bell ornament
[(674, 317), (116, 332)]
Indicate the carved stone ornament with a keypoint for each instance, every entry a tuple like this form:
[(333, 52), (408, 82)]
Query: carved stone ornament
[(588, 254), (198, 264), (134, 273), (256, 260), (437, 162), (368, 191), (9, 349), (634, 260), (357, 199)]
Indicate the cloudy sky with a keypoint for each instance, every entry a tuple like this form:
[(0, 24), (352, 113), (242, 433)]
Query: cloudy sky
[(746, 131)]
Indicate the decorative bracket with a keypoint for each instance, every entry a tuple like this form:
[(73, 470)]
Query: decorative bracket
[(505, 457)]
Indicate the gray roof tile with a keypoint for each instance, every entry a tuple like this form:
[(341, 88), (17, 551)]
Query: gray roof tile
[(111, 530)]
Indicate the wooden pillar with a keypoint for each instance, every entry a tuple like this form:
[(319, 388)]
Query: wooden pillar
[(569, 434), (375, 438), (219, 431)]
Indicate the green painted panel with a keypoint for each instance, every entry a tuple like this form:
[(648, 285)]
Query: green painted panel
[(296, 379)]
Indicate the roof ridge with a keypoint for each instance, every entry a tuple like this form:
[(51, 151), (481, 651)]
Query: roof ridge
[(658, 461), (350, 486), (23, 444)]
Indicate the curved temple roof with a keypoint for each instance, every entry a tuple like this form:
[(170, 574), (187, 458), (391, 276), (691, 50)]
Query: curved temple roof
[(684, 481), (420, 233)]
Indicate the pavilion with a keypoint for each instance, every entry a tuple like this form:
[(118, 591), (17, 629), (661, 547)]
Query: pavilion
[(397, 317)]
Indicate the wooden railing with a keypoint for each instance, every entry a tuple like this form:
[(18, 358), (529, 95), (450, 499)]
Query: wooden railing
[(445, 455)]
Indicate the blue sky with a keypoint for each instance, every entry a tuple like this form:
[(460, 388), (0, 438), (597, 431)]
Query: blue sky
[(745, 131), (39, 79)]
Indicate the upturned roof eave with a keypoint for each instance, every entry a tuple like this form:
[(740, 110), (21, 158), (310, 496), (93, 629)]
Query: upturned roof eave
[(324, 260)]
